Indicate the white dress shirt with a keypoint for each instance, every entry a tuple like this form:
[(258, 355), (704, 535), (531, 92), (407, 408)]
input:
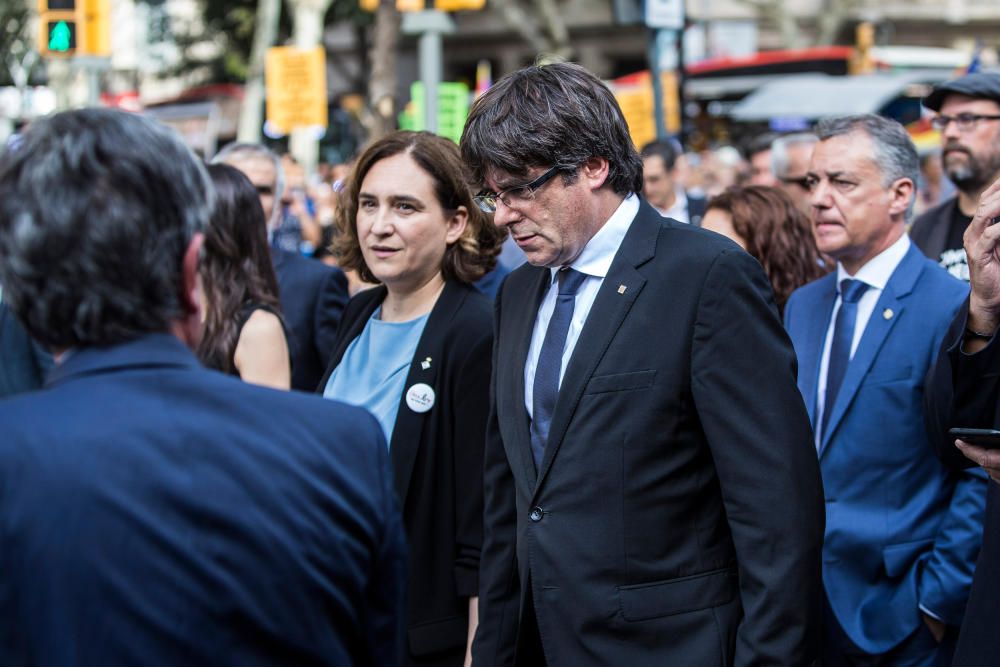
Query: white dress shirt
[(679, 209), (876, 274), (594, 261)]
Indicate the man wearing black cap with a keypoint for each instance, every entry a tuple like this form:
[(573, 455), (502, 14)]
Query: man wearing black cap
[(969, 121)]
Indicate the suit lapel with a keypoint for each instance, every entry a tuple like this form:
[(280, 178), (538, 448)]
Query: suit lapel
[(406, 433), (812, 340), (884, 317), (606, 316)]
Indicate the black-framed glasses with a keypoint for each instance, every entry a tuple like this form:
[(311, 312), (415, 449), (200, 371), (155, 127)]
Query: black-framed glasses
[(487, 201), (264, 190), (964, 121), (803, 182)]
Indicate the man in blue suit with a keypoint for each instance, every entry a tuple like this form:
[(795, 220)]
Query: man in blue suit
[(153, 512), (902, 531)]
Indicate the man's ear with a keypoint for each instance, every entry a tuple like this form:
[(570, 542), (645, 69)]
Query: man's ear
[(595, 172), (901, 193), (189, 326)]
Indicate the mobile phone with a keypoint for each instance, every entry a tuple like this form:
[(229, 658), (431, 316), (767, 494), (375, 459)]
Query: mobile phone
[(982, 437)]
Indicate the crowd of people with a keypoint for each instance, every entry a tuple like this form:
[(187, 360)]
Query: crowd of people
[(538, 398)]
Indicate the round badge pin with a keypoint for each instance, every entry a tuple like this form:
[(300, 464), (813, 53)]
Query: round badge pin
[(420, 397)]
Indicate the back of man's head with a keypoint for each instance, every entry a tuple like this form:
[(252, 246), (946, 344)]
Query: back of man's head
[(97, 211), (557, 115)]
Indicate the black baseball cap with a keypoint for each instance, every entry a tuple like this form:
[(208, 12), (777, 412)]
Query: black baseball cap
[(984, 85)]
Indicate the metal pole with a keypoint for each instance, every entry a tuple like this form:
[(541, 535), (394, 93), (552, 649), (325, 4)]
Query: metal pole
[(430, 25), (430, 74), (655, 74)]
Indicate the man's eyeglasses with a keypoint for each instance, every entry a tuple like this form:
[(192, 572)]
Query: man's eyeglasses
[(487, 201), (264, 190), (803, 182), (964, 121)]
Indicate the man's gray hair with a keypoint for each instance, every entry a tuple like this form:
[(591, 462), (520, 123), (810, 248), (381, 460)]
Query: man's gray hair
[(779, 150), (239, 151), (895, 155)]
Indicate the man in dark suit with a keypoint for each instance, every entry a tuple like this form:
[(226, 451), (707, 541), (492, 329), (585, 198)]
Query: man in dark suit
[(651, 493), (312, 294), (968, 118), (902, 530), (661, 185), (154, 512), (23, 362), (965, 392)]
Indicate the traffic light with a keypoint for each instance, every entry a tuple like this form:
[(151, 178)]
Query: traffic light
[(60, 27)]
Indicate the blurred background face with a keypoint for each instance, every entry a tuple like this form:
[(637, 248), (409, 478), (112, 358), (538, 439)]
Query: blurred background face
[(262, 175), (402, 229), (793, 181), (760, 169), (721, 222), (657, 182), (971, 158)]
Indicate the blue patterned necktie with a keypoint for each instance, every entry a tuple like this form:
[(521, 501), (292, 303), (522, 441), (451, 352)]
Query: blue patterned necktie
[(840, 349), (546, 387)]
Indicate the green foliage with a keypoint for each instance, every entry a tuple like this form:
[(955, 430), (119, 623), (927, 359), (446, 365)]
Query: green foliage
[(230, 24)]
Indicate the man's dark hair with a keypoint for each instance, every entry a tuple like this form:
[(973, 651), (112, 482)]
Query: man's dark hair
[(760, 143), (97, 209), (666, 149), (557, 115)]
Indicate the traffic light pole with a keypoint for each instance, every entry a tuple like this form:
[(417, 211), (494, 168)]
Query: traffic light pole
[(431, 25)]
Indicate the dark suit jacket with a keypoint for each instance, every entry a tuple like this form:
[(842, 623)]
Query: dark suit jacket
[(677, 518), (437, 458), (930, 230), (23, 362), (312, 298), (964, 392), (156, 513)]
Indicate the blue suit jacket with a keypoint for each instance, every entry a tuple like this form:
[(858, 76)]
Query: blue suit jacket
[(313, 296), (156, 513), (901, 529), (23, 362)]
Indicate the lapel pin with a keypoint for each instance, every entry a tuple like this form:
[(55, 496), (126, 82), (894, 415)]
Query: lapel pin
[(621, 289), (887, 313), (426, 363)]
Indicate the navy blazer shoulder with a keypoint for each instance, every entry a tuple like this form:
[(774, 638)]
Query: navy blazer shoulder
[(154, 512), (23, 362)]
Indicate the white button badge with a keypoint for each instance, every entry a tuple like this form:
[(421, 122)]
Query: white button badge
[(420, 397)]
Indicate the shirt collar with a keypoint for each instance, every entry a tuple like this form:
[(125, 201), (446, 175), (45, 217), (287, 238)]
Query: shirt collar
[(879, 268), (600, 251), (678, 210)]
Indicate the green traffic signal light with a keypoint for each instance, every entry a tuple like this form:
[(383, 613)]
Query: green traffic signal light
[(61, 36)]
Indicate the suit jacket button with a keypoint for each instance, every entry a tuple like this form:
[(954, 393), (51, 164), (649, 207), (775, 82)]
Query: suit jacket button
[(536, 514)]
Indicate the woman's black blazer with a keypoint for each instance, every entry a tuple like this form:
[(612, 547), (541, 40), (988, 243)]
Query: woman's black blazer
[(437, 460)]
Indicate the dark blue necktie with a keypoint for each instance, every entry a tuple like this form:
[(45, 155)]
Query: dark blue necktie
[(840, 348), (546, 387)]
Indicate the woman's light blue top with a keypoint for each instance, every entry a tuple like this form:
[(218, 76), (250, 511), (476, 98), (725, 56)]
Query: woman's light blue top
[(373, 371)]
